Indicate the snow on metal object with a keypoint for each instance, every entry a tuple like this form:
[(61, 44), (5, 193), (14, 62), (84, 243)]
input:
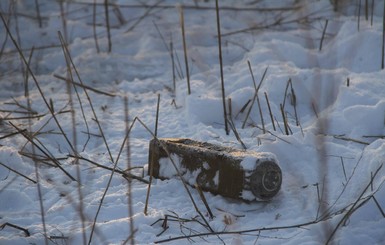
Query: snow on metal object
[(221, 170)]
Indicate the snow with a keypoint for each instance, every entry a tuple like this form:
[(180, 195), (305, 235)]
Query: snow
[(251, 161), (331, 161)]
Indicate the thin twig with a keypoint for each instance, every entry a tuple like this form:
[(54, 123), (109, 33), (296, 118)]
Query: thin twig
[(38, 186), (249, 111), (323, 34), (11, 134), (233, 128), (74, 134), (352, 209), (341, 137), (359, 15), (204, 200), (185, 49), (199, 8), (108, 25), (91, 105), (343, 168), (22, 132), (27, 234), (26, 89), (261, 114), (371, 13), (113, 170), (378, 206), (295, 226), (94, 27), (129, 186), (256, 88), (85, 86), (123, 173), (38, 13), (37, 84), (274, 135), (64, 21), (284, 119), (221, 66), (146, 13), (383, 40), (271, 114), (22, 175), (151, 160)]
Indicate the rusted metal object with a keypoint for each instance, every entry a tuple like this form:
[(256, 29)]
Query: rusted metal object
[(221, 170)]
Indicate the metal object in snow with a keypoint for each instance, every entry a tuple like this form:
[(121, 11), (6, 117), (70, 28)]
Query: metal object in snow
[(221, 170)]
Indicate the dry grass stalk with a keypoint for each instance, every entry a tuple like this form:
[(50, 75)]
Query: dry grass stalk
[(37, 84), (367, 10), (85, 86), (146, 13), (243, 108), (38, 13), (271, 114), (249, 111), (113, 170), (378, 206), (284, 119), (11, 134), (204, 201), (129, 186), (26, 232), (221, 67), (185, 49), (256, 88), (314, 107), (157, 117), (173, 68), (118, 14), (170, 49), (29, 107), (47, 154), (41, 204), (261, 114), (74, 135), (359, 15), (26, 89), (64, 20), (94, 27), (343, 168), (124, 174), (150, 166), (233, 128), (371, 13), (353, 207), (6, 34), (18, 173), (323, 34), (383, 40), (90, 103), (199, 8), (106, 11)]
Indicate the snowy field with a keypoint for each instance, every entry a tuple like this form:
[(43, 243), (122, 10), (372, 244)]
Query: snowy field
[(67, 175)]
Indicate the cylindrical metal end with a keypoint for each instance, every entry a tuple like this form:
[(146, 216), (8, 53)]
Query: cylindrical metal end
[(266, 180)]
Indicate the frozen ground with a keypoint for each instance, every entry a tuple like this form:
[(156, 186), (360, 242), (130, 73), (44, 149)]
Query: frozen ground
[(331, 158)]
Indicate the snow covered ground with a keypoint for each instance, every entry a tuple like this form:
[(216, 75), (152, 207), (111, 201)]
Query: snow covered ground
[(333, 100)]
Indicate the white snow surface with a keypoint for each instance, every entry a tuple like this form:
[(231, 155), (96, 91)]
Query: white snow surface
[(331, 156), (251, 161)]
